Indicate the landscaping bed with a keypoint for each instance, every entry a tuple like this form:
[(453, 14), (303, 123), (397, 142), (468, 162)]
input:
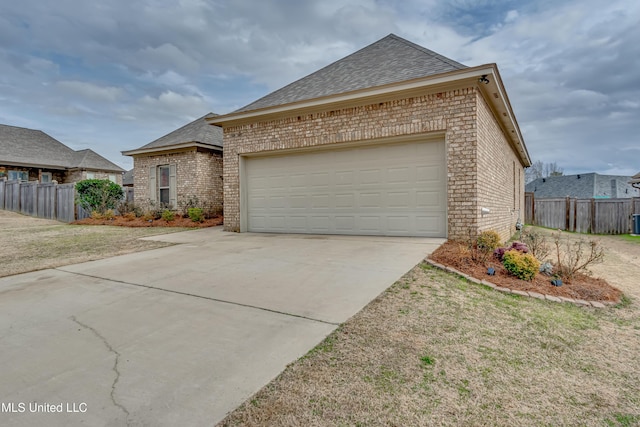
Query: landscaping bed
[(129, 221), (582, 286)]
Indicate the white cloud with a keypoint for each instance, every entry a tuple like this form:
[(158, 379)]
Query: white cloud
[(91, 91)]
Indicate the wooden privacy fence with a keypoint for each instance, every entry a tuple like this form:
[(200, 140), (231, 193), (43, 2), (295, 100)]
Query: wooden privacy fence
[(51, 201), (595, 216)]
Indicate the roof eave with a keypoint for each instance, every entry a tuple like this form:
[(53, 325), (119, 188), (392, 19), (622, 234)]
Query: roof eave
[(494, 92), (172, 147)]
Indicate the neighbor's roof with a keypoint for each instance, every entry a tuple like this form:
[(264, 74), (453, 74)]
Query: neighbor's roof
[(583, 186), (635, 179), (198, 132), (389, 60), (127, 178), (30, 147)]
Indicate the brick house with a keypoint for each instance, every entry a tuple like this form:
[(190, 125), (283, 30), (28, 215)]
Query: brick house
[(32, 155), (183, 164), (393, 139)]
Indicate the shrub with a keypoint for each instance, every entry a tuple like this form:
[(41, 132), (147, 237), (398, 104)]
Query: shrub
[(488, 241), (98, 194), (522, 265), (109, 214), (537, 243), (126, 207), (574, 257), (96, 215), (195, 214), (518, 246), (168, 215), (148, 216), (129, 216)]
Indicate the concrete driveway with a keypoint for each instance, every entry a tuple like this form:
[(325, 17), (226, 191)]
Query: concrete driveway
[(184, 334)]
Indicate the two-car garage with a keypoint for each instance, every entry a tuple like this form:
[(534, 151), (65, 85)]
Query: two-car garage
[(390, 189)]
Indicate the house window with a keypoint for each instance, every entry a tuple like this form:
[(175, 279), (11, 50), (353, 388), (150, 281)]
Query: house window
[(91, 175), (112, 178), (45, 177), (18, 176), (164, 184)]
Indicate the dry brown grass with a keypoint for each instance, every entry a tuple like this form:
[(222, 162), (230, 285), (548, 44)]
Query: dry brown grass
[(437, 350), (28, 244)]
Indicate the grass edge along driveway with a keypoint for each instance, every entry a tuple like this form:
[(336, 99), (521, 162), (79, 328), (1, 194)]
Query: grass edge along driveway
[(435, 349)]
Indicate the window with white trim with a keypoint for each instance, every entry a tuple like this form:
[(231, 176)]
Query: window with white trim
[(112, 178), (18, 176), (162, 185), (45, 177), (91, 175)]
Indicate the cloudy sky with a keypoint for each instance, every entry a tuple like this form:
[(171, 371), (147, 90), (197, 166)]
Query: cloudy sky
[(114, 75)]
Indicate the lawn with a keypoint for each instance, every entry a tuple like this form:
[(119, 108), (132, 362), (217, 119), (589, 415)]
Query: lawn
[(435, 349), (28, 244)]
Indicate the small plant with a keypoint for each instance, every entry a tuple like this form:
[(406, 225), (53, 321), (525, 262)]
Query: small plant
[(488, 241), (148, 216), (168, 215), (126, 207), (522, 265), (96, 215), (575, 257), (109, 214), (518, 246), (537, 243), (195, 214), (546, 268), (129, 216)]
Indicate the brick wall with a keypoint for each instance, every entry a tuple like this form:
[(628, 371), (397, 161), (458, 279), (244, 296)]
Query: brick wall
[(451, 112), (500, 176), (198, 173), (79, 175)]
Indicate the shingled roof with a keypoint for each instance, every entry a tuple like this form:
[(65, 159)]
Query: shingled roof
[(198, 132), (389, 60), (31, 147), (583, 186)]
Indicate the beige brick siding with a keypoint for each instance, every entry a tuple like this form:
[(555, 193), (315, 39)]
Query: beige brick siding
[(500, 176), (199, 174), (79, 175), (452, 113)]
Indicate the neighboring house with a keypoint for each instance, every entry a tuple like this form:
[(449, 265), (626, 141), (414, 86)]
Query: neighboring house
[(127, 178), (184, 164), (393, 139), (32, 155), (583, 186), (635, 180)]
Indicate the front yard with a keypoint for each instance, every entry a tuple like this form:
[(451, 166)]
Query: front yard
[(435, 349), (28, 244)]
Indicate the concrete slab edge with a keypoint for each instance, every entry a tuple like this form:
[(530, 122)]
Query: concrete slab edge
[(530, 294)]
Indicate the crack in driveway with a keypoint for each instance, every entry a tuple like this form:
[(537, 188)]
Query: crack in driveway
[(115, 365)]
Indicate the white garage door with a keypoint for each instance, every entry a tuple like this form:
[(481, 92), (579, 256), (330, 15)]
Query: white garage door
[(388, 190)]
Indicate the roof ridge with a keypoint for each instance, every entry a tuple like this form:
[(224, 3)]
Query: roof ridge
[(425, 50)]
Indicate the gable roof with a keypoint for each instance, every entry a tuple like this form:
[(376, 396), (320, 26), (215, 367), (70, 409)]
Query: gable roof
[(198, 132), (391, 68), (34, 148), (583, 186), (389, 60), (635, 180)]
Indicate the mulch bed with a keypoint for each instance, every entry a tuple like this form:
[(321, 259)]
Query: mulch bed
[(179, 221), (583, 287)]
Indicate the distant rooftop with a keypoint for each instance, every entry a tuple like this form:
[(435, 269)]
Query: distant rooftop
[(198, 131), (583, 186), (30, 147)]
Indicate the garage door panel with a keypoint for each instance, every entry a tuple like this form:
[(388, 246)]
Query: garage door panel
[(394, 189)]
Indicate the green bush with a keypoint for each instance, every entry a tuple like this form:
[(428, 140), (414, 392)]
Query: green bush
[(196, 214), (98, 194), (488, 241), (523, 266), (168, 215)]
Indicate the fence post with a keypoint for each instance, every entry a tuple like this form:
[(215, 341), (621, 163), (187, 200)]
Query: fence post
[(567, 215), (592, 226)]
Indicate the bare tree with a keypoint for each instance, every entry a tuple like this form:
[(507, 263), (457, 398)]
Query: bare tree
[(542, 170)]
